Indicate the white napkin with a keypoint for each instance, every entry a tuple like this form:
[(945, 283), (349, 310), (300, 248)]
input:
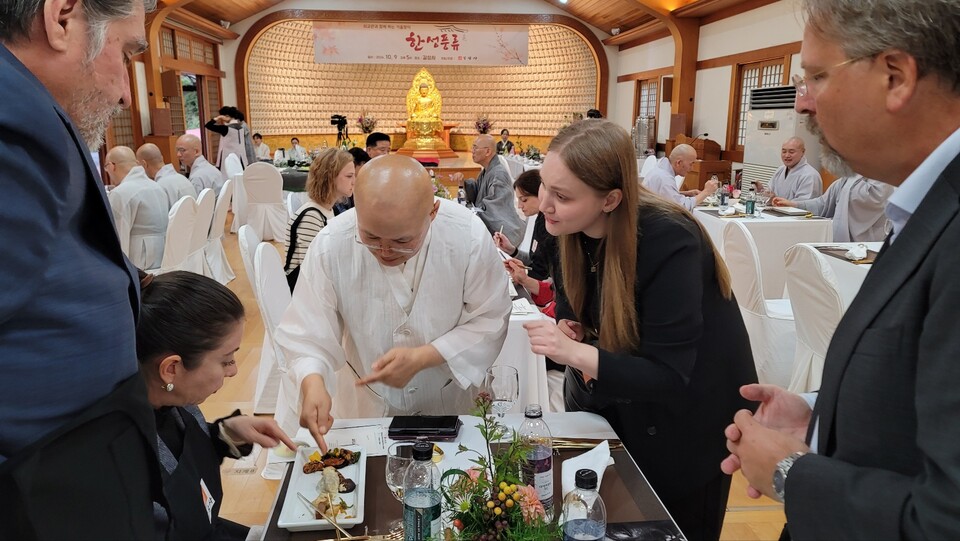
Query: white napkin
[(729, 211), (596, 459), (857, 253)]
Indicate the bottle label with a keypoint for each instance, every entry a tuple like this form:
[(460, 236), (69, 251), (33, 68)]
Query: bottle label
[(538, 473), (421, 515)]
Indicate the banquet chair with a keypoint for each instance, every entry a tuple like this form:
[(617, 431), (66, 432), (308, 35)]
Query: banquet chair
[(648, 166), (248, 240), (213, 251), (292, 206), (239, 204), (232, 166), (769, 322), (265, 209), (817, 308), (273, 296), (196, 260), (176, 245)]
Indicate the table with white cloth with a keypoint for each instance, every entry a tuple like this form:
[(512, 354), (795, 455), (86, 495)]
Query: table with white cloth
[(518, 164), (531, 368), (627, 495), (849, 275), (773, 235)]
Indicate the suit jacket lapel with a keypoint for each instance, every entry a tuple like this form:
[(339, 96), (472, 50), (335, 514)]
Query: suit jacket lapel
[(887, 276)]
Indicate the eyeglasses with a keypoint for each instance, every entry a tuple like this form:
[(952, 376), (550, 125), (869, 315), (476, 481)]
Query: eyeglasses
[(802, 85), (382, 248)]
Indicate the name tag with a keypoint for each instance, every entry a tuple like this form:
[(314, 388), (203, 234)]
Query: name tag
[(208, 500)]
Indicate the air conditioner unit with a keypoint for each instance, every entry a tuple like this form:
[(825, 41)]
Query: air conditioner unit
[(771, 120)]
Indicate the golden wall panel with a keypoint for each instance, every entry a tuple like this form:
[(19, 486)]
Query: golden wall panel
[(291, 94)]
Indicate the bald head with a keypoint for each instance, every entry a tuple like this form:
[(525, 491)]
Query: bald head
[(150, 157), (484, 149), (792, 152), (120, 160), (188, 149), (395, 204), (682, 158)]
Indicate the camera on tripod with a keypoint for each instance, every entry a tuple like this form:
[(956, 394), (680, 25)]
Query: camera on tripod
[(339, 121)]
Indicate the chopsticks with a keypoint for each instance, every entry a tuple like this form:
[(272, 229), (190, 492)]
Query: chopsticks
[(583, 443)]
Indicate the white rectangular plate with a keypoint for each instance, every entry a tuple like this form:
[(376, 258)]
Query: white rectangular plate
[(790, 211), (295, 516)]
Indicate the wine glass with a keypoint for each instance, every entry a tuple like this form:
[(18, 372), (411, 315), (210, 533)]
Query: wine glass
[(503, 384), (399, 456)]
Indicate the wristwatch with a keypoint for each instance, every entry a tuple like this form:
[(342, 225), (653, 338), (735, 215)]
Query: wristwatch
[(780, 474)]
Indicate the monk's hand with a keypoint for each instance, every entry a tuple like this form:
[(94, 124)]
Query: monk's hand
[(315, 411), (398, 366)]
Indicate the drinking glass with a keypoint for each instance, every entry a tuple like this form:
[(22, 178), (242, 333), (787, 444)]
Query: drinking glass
[(503, 384), (399, 456)]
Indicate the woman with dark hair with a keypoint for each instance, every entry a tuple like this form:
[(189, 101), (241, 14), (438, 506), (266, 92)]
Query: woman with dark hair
[(648, 328), (504, 145), (542, 250), (189, 330), (229, 126), (330, 180)]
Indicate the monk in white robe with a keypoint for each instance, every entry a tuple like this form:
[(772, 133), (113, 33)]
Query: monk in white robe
[(401, 306), (139, 209), (856, 205), (173, 183), (201, 172)]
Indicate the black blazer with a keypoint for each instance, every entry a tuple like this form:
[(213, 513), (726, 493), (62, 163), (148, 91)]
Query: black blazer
[(670, 400), (888, 435)]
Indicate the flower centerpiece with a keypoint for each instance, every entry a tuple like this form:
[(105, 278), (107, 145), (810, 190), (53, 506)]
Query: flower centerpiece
[(489, 502), (483, 123), (439, 190), (533, 152), (367, 122)]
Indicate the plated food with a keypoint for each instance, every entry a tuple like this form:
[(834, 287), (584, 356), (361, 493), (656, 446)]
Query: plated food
[(331, 485)]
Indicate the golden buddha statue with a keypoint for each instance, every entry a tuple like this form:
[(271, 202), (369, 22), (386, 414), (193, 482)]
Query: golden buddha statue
[(423, 112)]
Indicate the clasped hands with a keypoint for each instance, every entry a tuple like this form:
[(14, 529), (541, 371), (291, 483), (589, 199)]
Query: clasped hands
[(758, 441), (394, 368)]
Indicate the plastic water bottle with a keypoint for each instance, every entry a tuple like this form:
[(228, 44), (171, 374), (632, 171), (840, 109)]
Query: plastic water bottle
[(584, 515), (537, 470), (421, 496), (750, 203)]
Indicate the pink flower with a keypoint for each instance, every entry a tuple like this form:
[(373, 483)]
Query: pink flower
[(735, 194), (530, 506), (474, 474)]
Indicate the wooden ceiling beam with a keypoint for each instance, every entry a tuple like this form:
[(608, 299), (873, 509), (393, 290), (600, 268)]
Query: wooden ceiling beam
[(201, 24)]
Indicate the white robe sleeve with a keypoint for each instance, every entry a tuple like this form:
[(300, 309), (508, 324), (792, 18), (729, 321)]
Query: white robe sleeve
[(311, 331), (122, 218), (474, 344)]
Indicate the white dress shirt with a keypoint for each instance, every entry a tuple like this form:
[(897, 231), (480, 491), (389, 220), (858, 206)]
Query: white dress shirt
[(663, 182), (348, 310), (263, 152), (140, 211)]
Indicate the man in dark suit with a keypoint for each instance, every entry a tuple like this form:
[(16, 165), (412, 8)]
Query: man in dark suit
[(77, 437), (883, 85)]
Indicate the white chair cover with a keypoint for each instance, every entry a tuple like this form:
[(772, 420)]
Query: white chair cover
[(196, 260), (213, 252), (233, 166), (265, 209), (770, 325), (273, 297), (176, 246), (513, 166), (239, 205), (248, 240), (817, 307), (648, 166)]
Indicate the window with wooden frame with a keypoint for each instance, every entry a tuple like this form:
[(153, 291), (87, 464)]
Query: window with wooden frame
[(763, 74), (647, 100)]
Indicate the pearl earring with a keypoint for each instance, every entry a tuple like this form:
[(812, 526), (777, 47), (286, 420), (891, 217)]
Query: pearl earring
[(168, 387)]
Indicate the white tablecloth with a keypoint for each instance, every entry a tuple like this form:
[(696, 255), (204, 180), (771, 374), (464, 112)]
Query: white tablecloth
[(531, 368), (773, 235)]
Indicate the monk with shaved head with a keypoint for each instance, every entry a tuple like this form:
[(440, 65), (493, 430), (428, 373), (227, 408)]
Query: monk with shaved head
[(202, 173), (405, 289), (662, 180), (796, 179), (173, 183)]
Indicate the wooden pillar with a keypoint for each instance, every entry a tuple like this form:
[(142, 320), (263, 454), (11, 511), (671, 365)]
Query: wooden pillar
[(686, 38)]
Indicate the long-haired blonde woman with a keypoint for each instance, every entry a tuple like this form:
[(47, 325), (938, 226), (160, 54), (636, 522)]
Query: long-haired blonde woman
[(331, 179), (648, 327)]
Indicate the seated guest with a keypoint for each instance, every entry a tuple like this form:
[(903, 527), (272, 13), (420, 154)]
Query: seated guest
[(795, 180), (542, 247), (262, 150), (228, 125), (662, 180), (504, 145), (189, 331), (360, 157), (493, 201), (403, 290), (296, 152), (139, 209), (378, 144), (856, 205), (173, 183), (594, 113), (201, 173), (330, 180), (643, 301)]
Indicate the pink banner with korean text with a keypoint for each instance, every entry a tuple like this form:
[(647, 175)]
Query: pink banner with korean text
[(402, 43)]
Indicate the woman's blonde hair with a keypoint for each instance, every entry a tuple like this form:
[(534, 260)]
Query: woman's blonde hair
[(321, 180), (601, 155)]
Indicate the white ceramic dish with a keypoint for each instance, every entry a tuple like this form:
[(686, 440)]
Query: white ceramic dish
[(295, 516)]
